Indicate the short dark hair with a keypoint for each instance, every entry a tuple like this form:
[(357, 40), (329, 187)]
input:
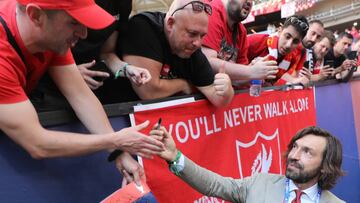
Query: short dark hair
[(51, 12), (317, 22), (345, 34), (332, 156), (330, 36), (299, 23)]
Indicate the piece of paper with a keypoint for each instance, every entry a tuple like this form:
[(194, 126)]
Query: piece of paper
[(128, 194)]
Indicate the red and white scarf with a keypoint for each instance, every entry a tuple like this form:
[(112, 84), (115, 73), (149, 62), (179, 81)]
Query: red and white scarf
[(284, 65)]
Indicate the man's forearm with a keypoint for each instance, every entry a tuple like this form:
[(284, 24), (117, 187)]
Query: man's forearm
[(338, 70), (113, 62), (210, 183), (63, 144), (90, 112), (161, 88), (222, 100), (235, 71)]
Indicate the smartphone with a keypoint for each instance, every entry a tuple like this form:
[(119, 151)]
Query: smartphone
[(100, 66), (306, 64), (352, 55), (329, 63)]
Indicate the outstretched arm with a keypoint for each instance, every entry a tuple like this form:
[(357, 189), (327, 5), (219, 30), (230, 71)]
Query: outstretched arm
[(20, 122), (201, 179), (156, 87), (261, 69), (90, 112)]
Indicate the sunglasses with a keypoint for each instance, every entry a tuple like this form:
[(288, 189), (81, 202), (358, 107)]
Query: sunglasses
[(296, 21), (197, 6)]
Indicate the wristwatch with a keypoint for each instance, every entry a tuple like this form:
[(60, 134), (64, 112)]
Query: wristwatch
[(113, 155)]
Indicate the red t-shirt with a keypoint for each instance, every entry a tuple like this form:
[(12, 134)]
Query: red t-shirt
[(257, 46), (263, 44), (219, 36), (16, 79), (300, 54)]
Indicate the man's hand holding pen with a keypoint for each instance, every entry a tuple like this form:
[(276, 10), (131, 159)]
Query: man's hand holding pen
[(160, 133)]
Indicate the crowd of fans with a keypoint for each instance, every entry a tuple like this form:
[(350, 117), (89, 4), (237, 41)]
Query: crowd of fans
[(299, 52), (327, 43)]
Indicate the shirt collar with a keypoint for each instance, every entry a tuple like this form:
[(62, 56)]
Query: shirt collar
[(311, 192)]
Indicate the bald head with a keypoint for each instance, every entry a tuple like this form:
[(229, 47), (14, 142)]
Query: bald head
[(186, 7), (185, 26), (177, 4)]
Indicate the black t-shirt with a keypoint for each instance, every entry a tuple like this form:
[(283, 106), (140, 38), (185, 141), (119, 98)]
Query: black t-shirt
[(146, 38), (337, 60), (88, 49)]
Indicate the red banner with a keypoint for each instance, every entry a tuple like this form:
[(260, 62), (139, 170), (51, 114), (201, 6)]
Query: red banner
[(248, 136)]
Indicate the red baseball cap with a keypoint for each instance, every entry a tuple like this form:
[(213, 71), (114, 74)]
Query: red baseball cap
[(87, 12)]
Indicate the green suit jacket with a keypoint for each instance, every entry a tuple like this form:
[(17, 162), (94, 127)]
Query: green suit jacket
[(259, 188)]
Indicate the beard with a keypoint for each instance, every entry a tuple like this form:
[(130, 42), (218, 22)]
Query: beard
[(235, 14), (300, 176), (308, 45)]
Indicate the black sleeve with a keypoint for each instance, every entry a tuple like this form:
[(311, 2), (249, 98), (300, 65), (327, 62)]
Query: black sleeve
[(339, 61), (142, 39), (201, 71)]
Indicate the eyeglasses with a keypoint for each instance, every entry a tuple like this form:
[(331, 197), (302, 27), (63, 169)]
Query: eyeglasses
[(296, 21), (247, 4), (197, 6)]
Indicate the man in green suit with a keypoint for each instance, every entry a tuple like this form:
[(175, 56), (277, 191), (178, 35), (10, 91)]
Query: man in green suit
[(313, 165)]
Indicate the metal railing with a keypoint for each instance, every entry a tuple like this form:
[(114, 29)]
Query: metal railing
[(337, 13)]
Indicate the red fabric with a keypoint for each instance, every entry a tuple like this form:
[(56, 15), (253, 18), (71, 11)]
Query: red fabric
[(87, 12), (258, 46), (263, 44), (317, 67), (16, 79), (128, 194), (218, 30), (236, 141), (300, 57)]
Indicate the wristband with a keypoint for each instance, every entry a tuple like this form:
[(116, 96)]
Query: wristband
[(124, 68), (178, 155), (113, 155), (121, 72), (173, 164)]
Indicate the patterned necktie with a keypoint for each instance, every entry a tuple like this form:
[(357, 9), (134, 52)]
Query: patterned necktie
[(298, 196)]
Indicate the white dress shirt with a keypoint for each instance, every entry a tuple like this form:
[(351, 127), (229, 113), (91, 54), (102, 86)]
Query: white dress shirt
[(309, 196)]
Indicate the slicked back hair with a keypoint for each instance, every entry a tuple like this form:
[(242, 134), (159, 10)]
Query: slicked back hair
[(332, 156)]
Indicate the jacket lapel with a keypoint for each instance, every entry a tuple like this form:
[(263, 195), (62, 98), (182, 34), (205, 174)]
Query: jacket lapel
[(325, 197), (275, 191)]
